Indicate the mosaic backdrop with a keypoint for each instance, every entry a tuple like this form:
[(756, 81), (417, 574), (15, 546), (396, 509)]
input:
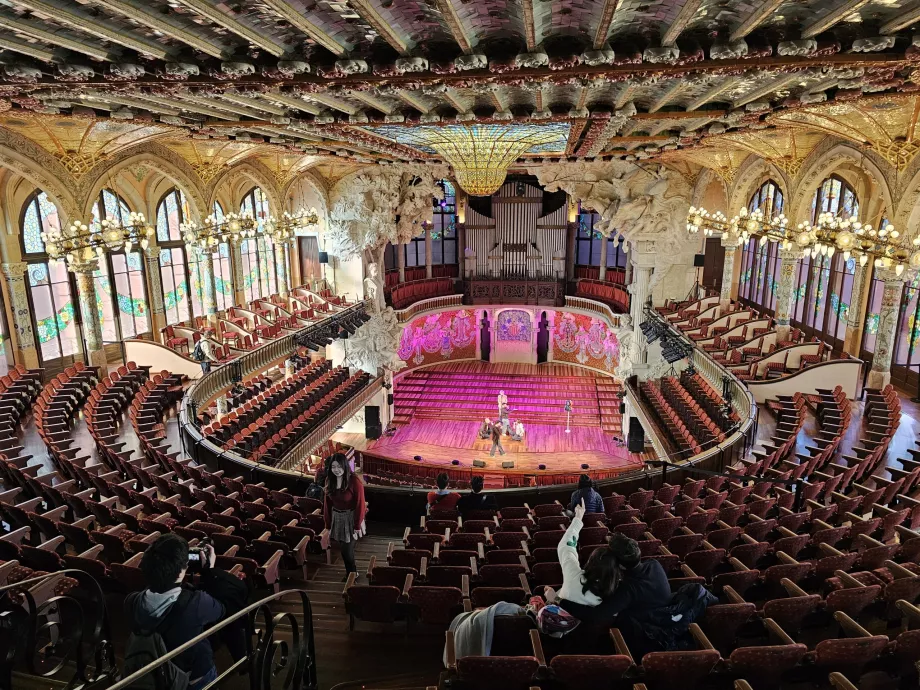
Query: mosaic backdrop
[(439, 338), (515, 325), (579, 339)]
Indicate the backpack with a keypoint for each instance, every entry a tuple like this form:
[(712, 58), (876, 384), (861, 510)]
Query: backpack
[(198, 352), (146, 646)]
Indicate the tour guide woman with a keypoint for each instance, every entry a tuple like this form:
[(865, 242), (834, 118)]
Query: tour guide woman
[(343, 510)]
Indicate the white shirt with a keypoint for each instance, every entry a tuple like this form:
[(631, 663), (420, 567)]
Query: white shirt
[(572, 581)]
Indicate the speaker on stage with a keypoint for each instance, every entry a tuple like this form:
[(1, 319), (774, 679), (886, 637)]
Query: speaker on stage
[(507, 464), (699, 260), (372, 426), (622, 408), (390, 399), (635, 441), (479, 463)]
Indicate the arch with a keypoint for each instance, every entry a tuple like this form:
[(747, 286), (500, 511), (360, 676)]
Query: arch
[(768, 194), (751, 176), (828, 161), (42, 170), (306, 191), (234, 183), (907, 214), (156, 157), (701, 190)]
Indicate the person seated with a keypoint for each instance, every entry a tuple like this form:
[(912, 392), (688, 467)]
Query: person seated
[(476, 499), (587, 493), (442, 499), (485, 430), (517, 433)]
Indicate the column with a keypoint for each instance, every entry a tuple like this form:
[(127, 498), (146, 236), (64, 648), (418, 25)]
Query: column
[(26, 348), (785, 292), (852, 341), (628, 273), (880, 373), (570, 238), (428, 268), (236, 256), (401, 261), (281, 269), (728, 270), (206, 276), (266, 259), (155, 291), (89, 312), (603, 272), (639, 289)]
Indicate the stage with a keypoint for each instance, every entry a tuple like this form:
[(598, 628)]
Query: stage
[(439, 411)]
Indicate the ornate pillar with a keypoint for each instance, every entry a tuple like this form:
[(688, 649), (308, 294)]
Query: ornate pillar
[(401, 261), (856, 316), (428, 268), (639, 289), (206, 276), (880, 373), (281, 269), (26, 352), (785, 292), (89, 313), (603, 272), (266, 259), (236, 256), (570, 237), (728, 270), (628, 272), (155, 291)]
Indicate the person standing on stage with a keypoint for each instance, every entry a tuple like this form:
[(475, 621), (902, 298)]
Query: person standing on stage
[(502, 402), (497, 439)]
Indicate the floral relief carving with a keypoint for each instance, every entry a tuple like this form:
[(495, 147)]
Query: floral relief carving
[(19, 303)]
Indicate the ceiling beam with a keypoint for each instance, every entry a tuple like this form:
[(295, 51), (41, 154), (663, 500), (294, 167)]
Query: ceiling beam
[(603, 27), (333, 103), (582, 101), (498, 101), (29, 29), (223, 105), (901, 21), (755, 18), (836, 15), (255, 103), (210, 12), (767, 89), (455, 101), (25, 48), (97, 100), (454, 23), (373, 102), (192, 108), (414, 101), (625, 95), (684, 17), (368, 13), (666, 97), (530, 26), (86, 24), (157, 22), (720, 87), (284, 10), (292, 102)]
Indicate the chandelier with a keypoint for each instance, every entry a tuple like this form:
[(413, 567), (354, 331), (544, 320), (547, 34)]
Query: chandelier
[(830, 233), (284, 228), (82, 245), (210, 232), (482, 154)]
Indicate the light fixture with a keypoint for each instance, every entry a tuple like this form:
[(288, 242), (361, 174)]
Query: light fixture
[(81, 245)]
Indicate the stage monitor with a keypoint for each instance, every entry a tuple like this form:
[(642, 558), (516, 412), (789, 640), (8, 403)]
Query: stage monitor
[(372, 426), (635, 441), (479, 463), (508, 464)]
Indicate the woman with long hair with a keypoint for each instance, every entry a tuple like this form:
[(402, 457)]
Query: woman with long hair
[(344, 510)]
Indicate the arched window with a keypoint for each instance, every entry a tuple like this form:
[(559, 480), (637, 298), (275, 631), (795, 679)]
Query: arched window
[(258, 253), (50, 286), (444, 249), (174, 277), (760, 262), (824, 285), (120, 279), (223, 272)]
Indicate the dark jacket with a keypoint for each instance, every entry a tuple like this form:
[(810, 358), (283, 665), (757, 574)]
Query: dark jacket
[(644, 587), (195, 610), (594, 503), (473, 501)]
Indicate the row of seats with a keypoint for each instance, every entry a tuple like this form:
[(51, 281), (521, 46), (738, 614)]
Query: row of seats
[(667, 416), (694, 416)]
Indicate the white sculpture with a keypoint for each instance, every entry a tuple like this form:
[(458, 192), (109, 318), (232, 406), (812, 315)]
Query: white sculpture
[(374, 346), (800, 48), (346, 67), (465, 62), (237, 69), (292, 67), (531, 60), (412, 64), (373, 291), (729, 51), (181, 70), (126, 70), (76, 72), (595, 58)]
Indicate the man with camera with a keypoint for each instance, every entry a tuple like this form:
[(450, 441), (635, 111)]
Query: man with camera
[(176, 611)]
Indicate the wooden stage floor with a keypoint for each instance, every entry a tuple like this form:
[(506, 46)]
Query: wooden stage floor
[(439, 442)]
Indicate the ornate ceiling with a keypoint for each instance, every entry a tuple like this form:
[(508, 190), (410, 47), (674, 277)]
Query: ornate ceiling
[(338, 83)]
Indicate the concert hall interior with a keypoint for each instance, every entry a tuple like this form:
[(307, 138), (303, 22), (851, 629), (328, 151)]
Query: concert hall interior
[(328, 317)]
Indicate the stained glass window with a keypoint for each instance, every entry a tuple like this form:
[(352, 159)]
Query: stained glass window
[(760, 262), (259, 277), (769, 199), (180, 293), (834, 196), (588, 246), (39, 216)]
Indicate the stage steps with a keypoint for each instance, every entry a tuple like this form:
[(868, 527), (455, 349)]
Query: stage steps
[(433, 394)]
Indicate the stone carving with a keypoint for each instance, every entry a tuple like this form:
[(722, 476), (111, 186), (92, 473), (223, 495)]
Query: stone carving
[(467, 62), (19, 303), (872, 45), (375, 345), (373, 288), (22, 74), (235, 70), (800, 48), (812, 98), (595, 58), (729, 51), (125, 70), (71, 72), (345, 67), (531, 60), (667, 55), (413, 64), (180, 71), (291, 67)]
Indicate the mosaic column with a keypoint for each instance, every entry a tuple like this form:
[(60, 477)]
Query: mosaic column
[(89, 312), (236, 257), (728, 269), (639, 289), (281, 269), (206, 276), (266, 259), (26, 352), (785, 292), (155, 290), (603, 271), (401, 261), (428, 268), (855, 312), (880, 373)]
